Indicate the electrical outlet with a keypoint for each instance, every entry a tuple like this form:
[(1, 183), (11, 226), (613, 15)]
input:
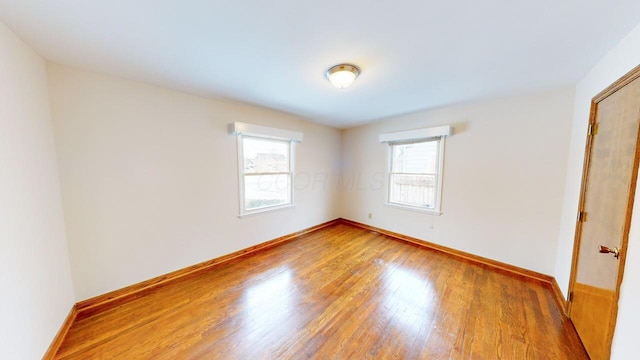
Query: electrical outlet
[(370, 215)]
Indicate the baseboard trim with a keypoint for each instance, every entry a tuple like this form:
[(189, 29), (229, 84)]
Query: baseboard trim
[(457, 253), (547, 280), (559, 297), (114, 298), (62, 333)]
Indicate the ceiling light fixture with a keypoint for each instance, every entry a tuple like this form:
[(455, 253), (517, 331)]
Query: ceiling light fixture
[(342, 75)]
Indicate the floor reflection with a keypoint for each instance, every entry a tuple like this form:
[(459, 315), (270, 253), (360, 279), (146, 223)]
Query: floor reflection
[(269, 306), (408, 299)]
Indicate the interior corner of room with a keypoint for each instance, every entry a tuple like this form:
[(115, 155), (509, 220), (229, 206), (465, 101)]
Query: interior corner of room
[(107, 182)]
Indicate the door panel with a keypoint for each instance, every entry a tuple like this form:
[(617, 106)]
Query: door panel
[(606, 202), (591, 314)]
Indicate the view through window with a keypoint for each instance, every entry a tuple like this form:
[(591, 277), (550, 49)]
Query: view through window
[(266, 173), (414, 174)]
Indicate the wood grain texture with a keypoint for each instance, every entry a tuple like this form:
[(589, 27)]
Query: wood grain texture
[(607, 194), (341, 292), (497, 265), (115, 298), (611, 175), (593, 306), (62, 333)]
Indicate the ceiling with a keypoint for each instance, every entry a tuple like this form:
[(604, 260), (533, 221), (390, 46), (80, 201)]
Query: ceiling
[(413, 54)]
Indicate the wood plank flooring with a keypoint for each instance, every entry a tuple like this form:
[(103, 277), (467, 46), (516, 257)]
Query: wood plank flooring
[(338, 293)]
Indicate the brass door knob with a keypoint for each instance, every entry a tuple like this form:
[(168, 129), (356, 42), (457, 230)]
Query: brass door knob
[(607, 250)]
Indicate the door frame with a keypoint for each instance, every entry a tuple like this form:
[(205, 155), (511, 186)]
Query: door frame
[(617, 85)]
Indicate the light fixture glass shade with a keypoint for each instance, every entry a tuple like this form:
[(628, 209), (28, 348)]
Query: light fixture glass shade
[(342, 75)]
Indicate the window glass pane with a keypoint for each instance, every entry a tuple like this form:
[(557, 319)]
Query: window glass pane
[(266, 190), (265, 155), (415, 158), (414, 190)]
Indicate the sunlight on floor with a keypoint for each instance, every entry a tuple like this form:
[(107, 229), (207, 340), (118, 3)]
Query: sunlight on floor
[(408, 299)]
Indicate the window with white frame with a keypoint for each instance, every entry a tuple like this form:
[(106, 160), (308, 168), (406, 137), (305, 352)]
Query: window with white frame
[(414, 175), (265, 167)]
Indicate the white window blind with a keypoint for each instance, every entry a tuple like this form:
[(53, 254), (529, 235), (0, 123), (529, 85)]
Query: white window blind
[(415, 164), (265, 167)]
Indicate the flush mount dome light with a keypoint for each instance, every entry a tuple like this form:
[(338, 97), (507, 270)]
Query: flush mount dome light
[(342, 75)]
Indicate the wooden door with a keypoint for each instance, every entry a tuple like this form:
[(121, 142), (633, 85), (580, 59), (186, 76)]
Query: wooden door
[(608, 188)]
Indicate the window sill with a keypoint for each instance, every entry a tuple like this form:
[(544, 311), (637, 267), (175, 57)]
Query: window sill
[(266, 210), (414, 208)]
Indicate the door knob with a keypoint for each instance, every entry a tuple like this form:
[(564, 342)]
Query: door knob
[(607, 250)]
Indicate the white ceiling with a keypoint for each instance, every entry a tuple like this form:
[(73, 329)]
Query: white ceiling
[(413, 54)]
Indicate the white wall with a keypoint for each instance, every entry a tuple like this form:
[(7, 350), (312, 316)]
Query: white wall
[(37, 292), (620, 60), (503, 178), (150, 183)]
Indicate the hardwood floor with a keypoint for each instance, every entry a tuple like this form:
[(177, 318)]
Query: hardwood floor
[(338, 293)]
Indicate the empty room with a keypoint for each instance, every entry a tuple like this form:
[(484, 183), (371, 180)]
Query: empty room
[(319, 180)]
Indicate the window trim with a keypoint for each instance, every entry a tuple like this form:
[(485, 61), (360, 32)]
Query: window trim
[(417, 136), (242, 131), (436, 210)]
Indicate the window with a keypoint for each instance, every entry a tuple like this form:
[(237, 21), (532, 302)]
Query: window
[(265, 167), (414, 176), (266, 173)]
